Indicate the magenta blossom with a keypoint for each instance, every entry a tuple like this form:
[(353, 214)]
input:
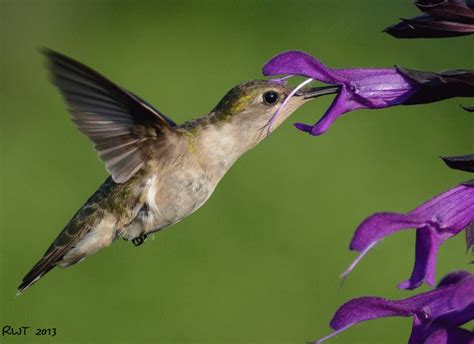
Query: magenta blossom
[(437, 314), (371, 88), (437, 220)]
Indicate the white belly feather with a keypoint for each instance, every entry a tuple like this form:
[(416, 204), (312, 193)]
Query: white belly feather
[(99, 237)]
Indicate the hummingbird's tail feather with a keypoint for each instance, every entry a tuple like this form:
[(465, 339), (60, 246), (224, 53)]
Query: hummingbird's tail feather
[(41, 268), (90, 230)]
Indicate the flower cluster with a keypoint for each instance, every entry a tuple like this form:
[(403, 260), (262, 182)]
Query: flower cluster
[(439, 314)]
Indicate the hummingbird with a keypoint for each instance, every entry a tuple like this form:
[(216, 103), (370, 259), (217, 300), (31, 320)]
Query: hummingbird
[(160, 171)]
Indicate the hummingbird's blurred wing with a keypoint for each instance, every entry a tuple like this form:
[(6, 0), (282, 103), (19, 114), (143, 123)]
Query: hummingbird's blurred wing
[(122, 126)]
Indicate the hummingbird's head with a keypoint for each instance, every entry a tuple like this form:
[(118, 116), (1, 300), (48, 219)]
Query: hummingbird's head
[(245, 116), (259, 106)]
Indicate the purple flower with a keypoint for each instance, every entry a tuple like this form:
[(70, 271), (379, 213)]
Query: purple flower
[(464, 163), (443, 18), (437, 314), (437, 220), (371, 88)]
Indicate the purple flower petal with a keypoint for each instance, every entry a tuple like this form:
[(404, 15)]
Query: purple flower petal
[(464, 294), (426, 251), (452, 318), (300, 63), (339, 106), (450, 336), (303, 127), (437, 220), (380, 225), (368, 308)]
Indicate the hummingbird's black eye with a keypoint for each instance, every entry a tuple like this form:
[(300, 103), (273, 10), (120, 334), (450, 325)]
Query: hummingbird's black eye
[(270, 97)]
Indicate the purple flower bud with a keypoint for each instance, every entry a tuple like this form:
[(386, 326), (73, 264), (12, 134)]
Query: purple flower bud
[(462, 162), (443, 18)]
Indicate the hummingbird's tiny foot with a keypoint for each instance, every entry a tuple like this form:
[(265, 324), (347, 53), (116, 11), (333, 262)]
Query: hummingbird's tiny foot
[(139, 240)]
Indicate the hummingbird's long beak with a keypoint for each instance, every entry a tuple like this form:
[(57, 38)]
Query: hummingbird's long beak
[(315, 92)]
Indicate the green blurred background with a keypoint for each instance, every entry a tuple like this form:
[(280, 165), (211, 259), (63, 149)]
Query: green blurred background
[(260, 262)]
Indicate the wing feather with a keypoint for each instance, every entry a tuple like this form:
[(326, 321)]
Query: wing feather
[(121, 125)]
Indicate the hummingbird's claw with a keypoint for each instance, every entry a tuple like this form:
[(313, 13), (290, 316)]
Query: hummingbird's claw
[(139, 240)]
